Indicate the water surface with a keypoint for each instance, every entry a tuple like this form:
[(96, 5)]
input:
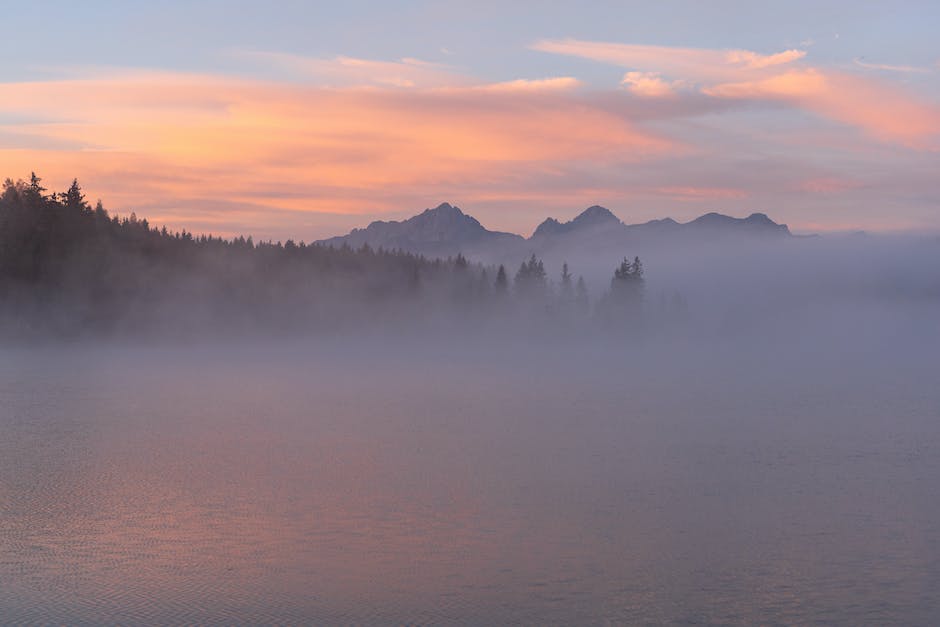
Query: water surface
[(331, 482)]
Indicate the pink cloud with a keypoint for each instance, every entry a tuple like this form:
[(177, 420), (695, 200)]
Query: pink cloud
[(530, 85), (701, 193), (754, 61), (227, 155), (649, 84), (698, 64), (172, 141), (883, 110), (827, 185)]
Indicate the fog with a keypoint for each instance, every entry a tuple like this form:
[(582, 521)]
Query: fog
[(751, 439), (69, 272)]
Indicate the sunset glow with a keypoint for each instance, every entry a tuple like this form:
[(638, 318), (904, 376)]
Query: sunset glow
[(450, 312), (298, 143)]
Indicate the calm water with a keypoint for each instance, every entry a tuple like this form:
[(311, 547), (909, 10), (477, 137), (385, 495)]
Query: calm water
[(324, 484)]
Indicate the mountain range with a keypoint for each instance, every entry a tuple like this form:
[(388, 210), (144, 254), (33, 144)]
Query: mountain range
[(446, 230)]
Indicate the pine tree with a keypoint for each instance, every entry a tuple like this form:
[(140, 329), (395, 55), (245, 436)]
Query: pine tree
[(566, 285), (530, 279), (74, 199), (581, 297), (502, 283), (626, 287), (33, 193)]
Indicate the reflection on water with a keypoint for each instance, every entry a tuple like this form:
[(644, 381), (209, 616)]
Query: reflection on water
[(323, 485)]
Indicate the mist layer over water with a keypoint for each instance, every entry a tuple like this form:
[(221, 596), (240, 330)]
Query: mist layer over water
[(788, 476)]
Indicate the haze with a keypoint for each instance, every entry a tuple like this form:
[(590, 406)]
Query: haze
[(440, 313)]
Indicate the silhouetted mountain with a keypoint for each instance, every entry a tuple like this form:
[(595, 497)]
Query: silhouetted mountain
[(598, 231), (597, 219), (757, 223), (442, 231), (708, 227), (591, 218), (67, 268), (446, 230)]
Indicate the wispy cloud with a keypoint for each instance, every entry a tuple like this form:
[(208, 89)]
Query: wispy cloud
[(905, 69), (827, 185), (755, 61), (700, 193), (649, 84), (883, 110), (343, 137), (351, 71), (561, 83), (171, 138), (690, 63)]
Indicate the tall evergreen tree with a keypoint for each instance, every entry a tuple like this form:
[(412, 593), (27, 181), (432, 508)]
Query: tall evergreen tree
[(502, 283), (581, 295), (567, 288), (530, 280), (626, 286), (74, 199)]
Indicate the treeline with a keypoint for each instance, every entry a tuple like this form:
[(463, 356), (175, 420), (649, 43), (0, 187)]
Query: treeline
[(567, 299), (69, 268)]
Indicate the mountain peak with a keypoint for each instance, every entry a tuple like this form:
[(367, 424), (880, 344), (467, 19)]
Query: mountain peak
[(590, 217), (445, 207), (761, 218), (443, 230), (596, 214), (754, 223), (446, 230)]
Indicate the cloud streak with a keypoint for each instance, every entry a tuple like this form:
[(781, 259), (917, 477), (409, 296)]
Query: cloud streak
[(886, 113), (344, 71), (165, 138), (882, 110), (904, 69), (693, 63), (649, 84), (332, 143)]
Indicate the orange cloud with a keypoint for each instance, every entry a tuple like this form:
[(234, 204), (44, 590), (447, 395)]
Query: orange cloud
[(649, 84), (754, 61), (882, 110), (174, 142), (290, 158), (525, 85)]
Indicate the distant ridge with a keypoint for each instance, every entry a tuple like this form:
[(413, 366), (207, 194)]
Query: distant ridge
[(757, 222), (712, 225), (446, 230), (592, 217)]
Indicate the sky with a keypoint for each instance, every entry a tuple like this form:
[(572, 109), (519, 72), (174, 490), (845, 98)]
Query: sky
[(305, 119)]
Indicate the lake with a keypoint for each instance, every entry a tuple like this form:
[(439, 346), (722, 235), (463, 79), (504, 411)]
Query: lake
[(393, 481)]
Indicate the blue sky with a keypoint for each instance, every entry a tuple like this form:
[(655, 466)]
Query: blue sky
[(488, 38)]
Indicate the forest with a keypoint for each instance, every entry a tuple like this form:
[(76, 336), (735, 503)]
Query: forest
[(70, 269)]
